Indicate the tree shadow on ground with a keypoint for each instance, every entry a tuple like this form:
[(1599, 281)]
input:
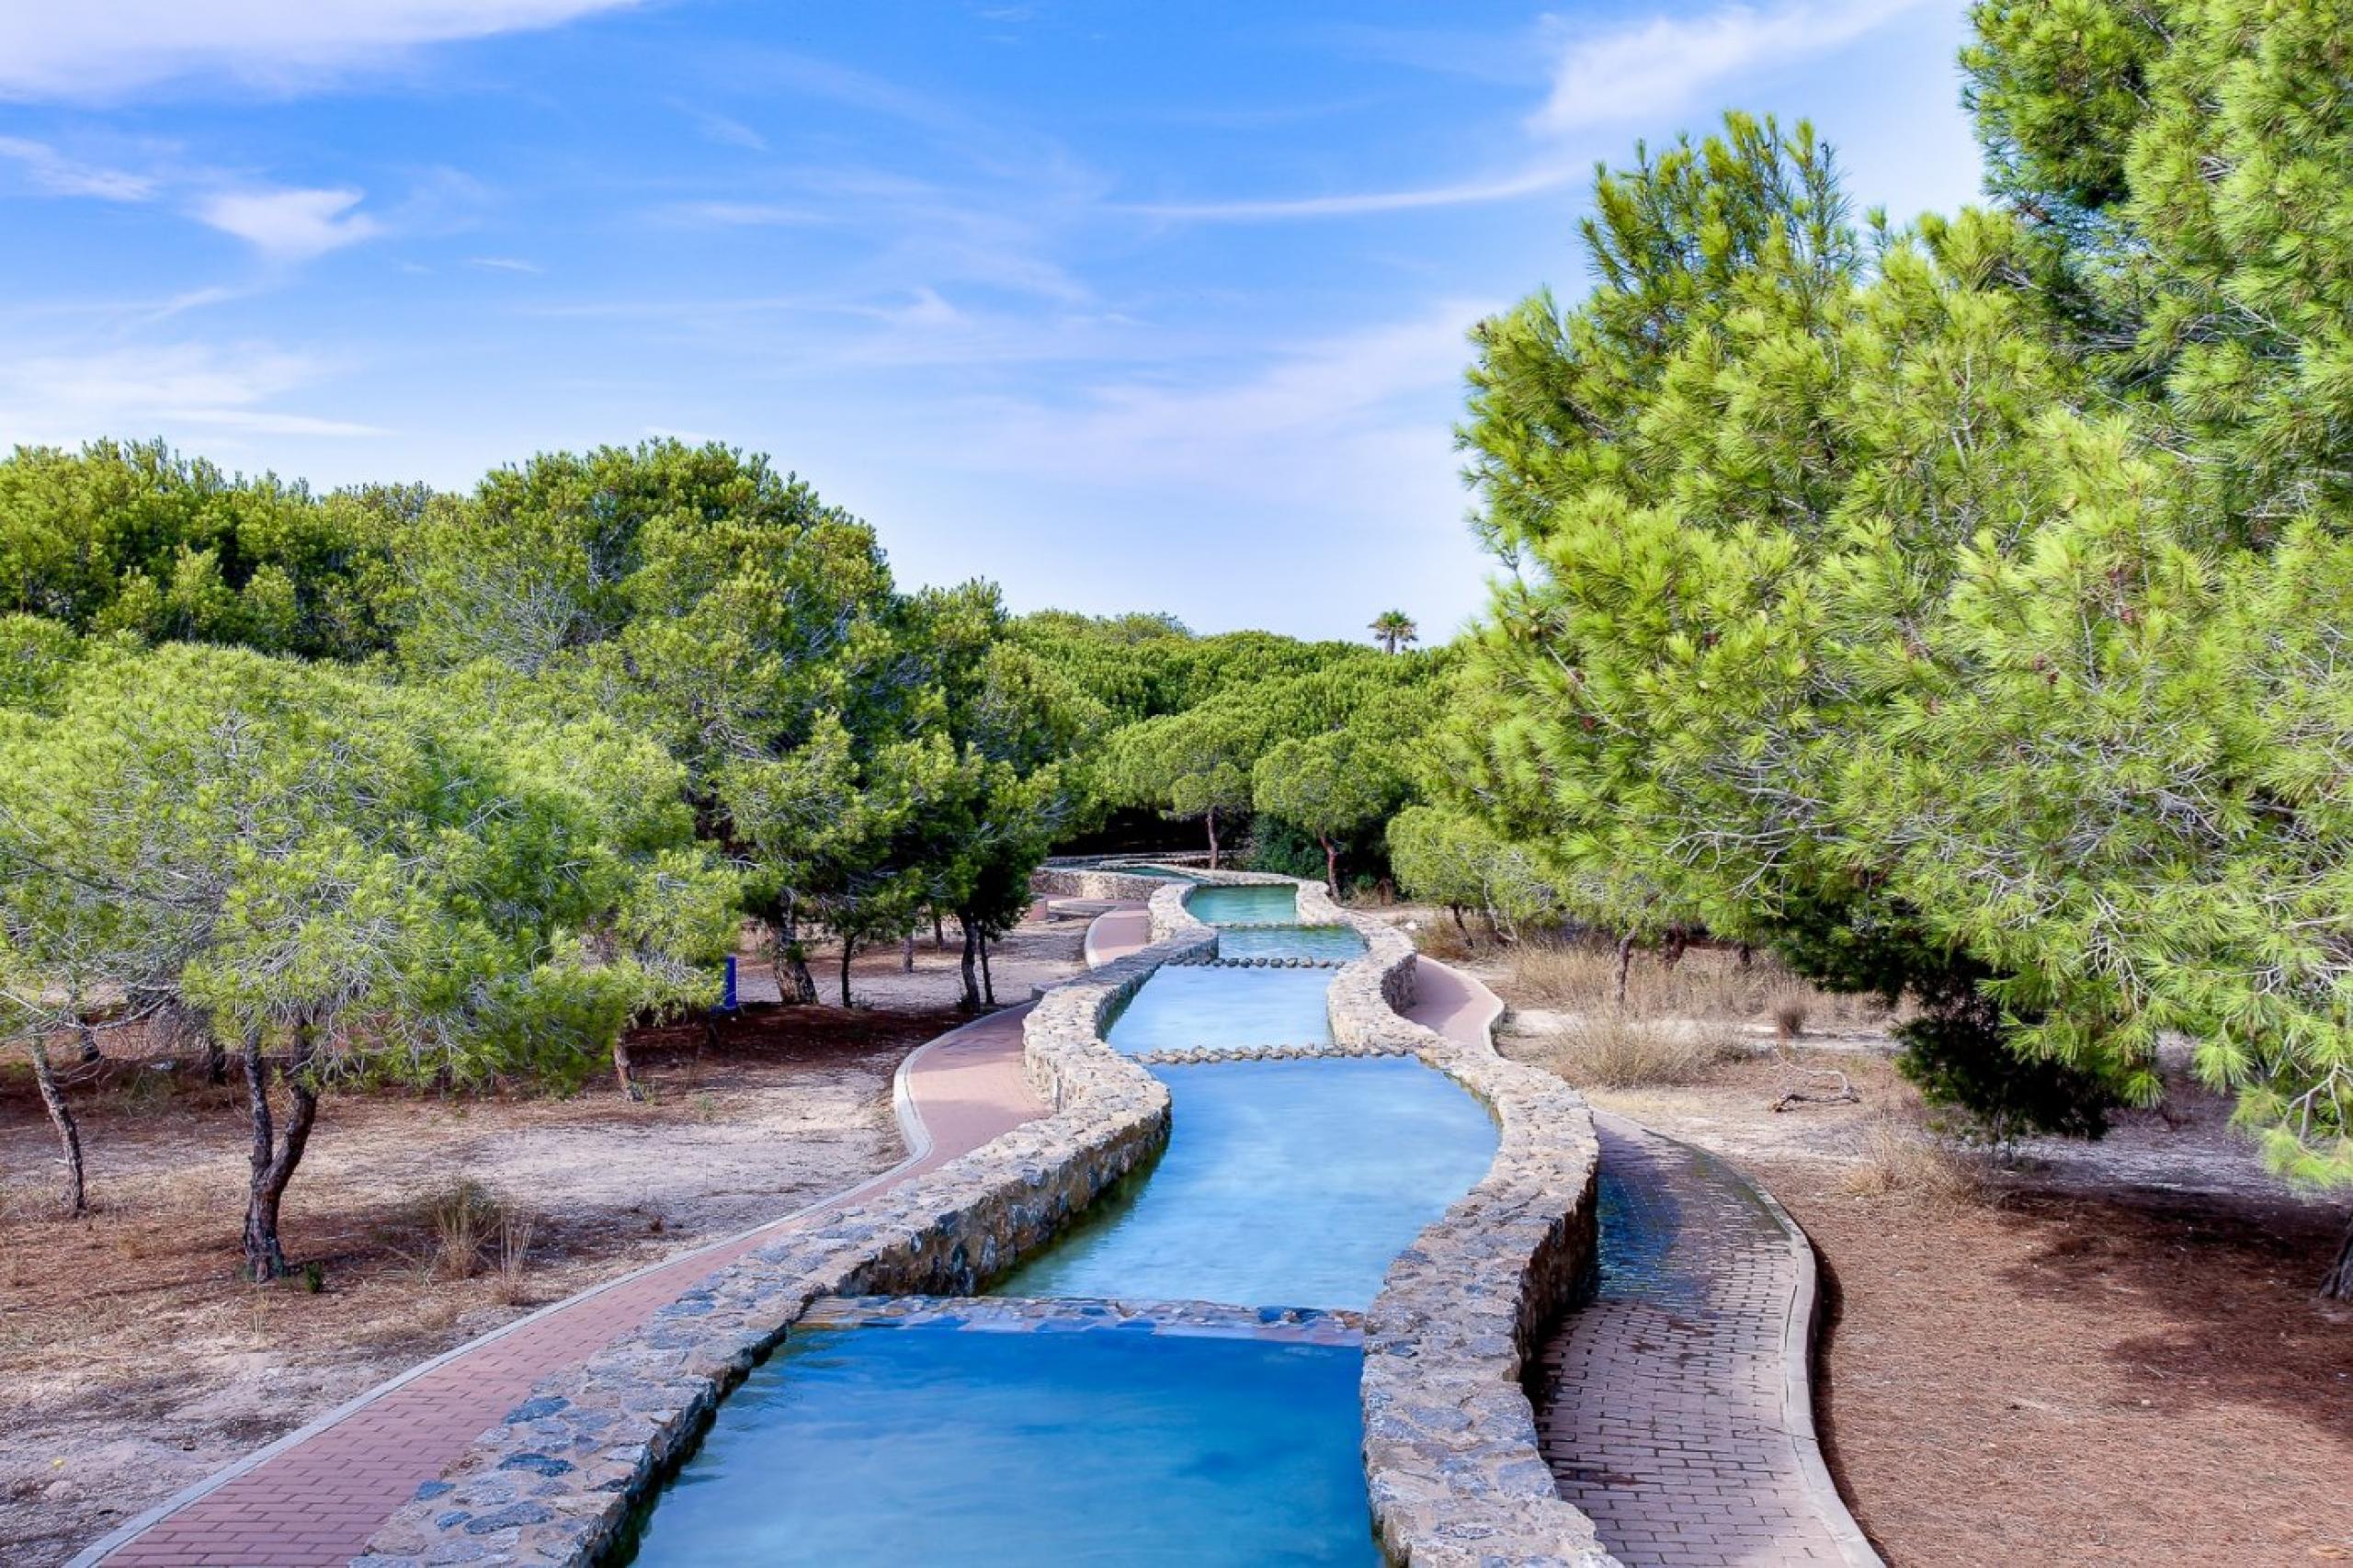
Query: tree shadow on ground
[(2235, 1278)]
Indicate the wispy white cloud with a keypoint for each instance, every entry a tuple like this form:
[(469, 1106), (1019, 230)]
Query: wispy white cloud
[(51, 172), (170, 388), (505, 264), (1665, 63), (1617, 77), (722, 128), (1504, 187), (290, 224), (109, 48), (747, 214), (1345, 421)]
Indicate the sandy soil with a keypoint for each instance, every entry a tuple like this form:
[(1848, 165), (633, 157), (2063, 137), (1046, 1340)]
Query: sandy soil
[(2104, 1353), (135, 1363)]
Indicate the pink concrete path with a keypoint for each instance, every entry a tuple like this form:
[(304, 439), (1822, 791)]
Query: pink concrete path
[(315, 1496)]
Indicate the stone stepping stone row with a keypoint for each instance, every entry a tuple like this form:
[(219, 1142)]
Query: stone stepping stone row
[(1273, 962), (1177, 1056)]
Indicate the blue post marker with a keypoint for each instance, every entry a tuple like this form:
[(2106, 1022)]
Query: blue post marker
[(727, 992)]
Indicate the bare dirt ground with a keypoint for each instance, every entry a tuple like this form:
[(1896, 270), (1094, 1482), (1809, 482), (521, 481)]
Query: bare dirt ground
[(133, 1362), (2104, 1353)]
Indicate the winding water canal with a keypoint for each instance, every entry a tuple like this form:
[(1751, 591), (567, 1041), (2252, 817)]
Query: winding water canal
[(1175, 1380)]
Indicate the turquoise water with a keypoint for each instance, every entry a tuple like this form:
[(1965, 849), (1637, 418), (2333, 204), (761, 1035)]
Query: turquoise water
[(1289, 942), (1183, 1006), (1270, 900), (1284, 1184), (1161, 873), (985, 1450), (1289, 1184)]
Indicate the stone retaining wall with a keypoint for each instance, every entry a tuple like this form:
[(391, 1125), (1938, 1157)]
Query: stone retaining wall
[(558, 1480), (1450, 1454), (1451, 1461)]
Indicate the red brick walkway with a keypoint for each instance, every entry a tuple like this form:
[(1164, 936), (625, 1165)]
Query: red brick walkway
[(1670, 1408), (316, 1497)]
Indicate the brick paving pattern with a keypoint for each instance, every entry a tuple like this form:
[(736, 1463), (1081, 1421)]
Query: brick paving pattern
[(318, 1501), (1661, 1405)]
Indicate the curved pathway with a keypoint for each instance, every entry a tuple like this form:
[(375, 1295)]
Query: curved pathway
[(1675, 1408), (316, 1495)]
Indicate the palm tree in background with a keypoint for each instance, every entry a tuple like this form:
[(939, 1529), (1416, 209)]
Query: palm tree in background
[(1392, 629)]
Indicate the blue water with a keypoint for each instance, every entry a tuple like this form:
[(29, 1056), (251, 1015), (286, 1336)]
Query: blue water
[(1162, 873), (1289, 1184), (1183, 1006), (931, 1445), (1289, 942), (1268, 900)]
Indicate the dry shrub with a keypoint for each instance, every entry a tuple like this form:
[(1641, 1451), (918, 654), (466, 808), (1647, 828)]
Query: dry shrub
[(1902, 1161), (1562, 974), (1708, 983), (1608, 1049), (1440, 940), (463, 1219), (512, 1289)]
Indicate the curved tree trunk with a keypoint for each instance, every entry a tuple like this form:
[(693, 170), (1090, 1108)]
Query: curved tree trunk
[(274, 1158), (1625, 962), (2337, 1284), (1213, 821), (1331, 866), (938, 933), (988, 982), (793, 981), (69, 1136), (623, 1074), (971, 1002), (848, 950)]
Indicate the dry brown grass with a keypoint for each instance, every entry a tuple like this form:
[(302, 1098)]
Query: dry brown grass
[(1441, 940), (1901, 1160), (512, 1286), (1709, 984), (1606, 1048), (462, 1220)]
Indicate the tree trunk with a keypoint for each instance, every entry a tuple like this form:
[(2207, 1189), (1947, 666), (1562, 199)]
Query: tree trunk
[(89, 1038), (848, 949), (939, 933), (988, 982), (1459, 924), (216, 1057), (1671, 947), (274, 1158), (69, 1137), (793, 981), (907, 953), (1213, 820), (1747, 957), (972, 973), (1625, 962), (621, 1073), (2337, 1284), (1331, 866)]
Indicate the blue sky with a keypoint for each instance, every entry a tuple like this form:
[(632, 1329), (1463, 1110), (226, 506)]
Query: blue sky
[(1124, 305)]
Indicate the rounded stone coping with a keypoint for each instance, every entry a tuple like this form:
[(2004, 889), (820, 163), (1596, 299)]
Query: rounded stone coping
[(557, 1480), (1800, 1325), (1452, 1463), (912, 1130)]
